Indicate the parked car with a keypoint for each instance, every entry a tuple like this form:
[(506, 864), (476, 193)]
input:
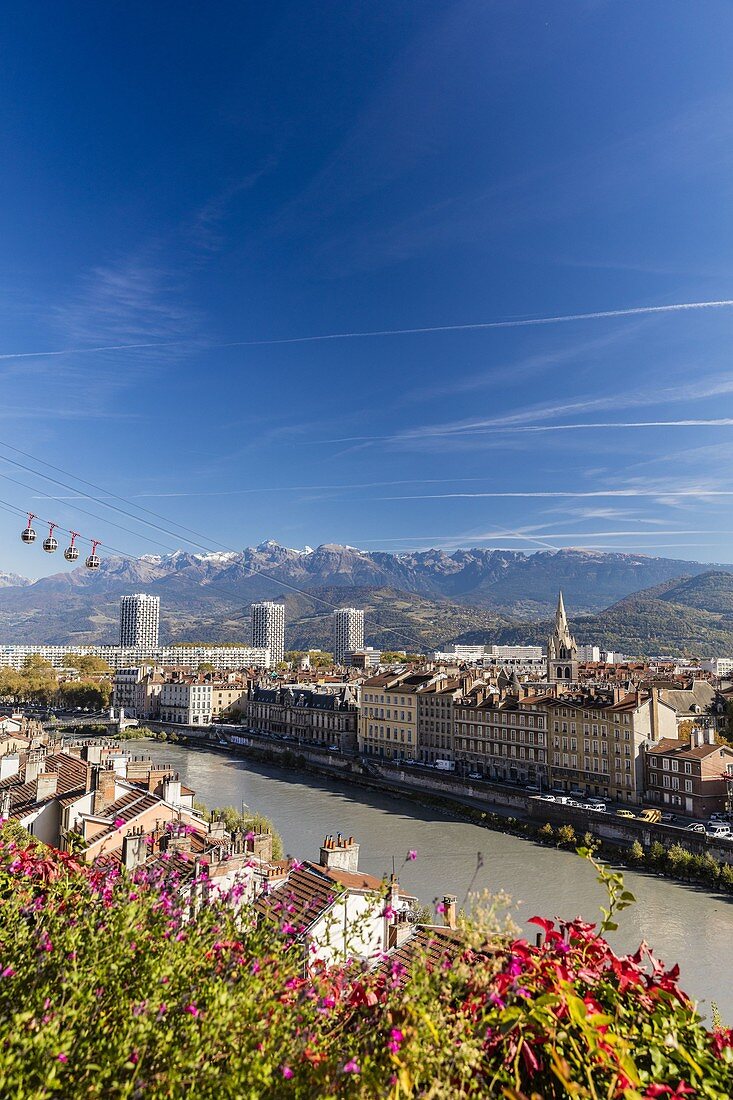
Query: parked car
[(532, 788), (547, 798), (563, 799), (667, 818), (695, 827), (573, 802), (594, 798), (720, 817), (475, 775), (718, 828), (598, 806), (626, 813)]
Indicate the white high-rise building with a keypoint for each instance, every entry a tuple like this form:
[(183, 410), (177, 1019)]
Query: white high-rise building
[(348, 632), (268, 629), (139, 621)]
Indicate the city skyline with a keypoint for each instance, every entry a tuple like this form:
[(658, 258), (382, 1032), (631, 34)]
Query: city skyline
[(496, 297)]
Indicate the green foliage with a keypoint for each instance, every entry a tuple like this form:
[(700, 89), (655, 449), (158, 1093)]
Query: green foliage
[(134, 733), (87, 664), (636, 852), (657, 853), (87, 694), (619, 898), (546, 832), (107, 993), (247, 821)]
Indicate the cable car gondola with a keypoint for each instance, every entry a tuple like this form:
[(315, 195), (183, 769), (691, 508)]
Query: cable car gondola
[(71, 553), (50, 545), (28, 535), (92, 561)]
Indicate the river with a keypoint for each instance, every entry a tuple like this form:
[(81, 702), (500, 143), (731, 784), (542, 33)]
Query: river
[(682, 924)]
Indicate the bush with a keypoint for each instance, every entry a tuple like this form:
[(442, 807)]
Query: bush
[(566, 836), (546, 832), (679, 861), (590, 842), (636, 853), (657, 854), (108, 991), (726, 876)]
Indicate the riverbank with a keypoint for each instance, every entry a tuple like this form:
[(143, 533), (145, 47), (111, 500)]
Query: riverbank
[(673, 857)]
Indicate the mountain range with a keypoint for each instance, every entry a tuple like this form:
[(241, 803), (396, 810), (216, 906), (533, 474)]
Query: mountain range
[(418, 600)]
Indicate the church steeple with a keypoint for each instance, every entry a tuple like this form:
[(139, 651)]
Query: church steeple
[(562, 649)]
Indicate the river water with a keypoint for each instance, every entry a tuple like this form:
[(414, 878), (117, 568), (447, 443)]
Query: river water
[(682, 924)]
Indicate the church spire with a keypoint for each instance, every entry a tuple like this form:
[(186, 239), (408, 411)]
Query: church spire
[(562, 649)]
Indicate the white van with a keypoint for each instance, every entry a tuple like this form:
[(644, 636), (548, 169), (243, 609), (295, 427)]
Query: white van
[(445, 765)]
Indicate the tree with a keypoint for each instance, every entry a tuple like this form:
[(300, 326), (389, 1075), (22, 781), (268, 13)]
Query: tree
[(87, 664), (247, 821), (206, 666), (86, 694), (35, 663)]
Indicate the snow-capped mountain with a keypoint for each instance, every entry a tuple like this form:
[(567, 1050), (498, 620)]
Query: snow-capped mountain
[(201, 591)]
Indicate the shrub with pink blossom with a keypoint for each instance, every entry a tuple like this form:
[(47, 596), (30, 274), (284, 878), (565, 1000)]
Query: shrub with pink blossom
[(112, 991)]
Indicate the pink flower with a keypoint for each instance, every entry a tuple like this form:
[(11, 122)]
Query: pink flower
[(192, 1009), (412, 854), (118, 822), (8, 972), (396, 1040), (388, 912), (62, 1058), (352, 1067), (286, 1071), (440, 908)]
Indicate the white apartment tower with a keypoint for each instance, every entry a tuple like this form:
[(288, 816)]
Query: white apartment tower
[(348, 632), (268, 629), (139, 621)]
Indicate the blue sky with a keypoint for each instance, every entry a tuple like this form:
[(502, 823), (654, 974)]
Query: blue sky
[(220, 181)]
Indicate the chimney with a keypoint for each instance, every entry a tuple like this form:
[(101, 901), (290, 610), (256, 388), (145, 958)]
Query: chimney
[(260, 845), (179, 840), (449, 911), (104, 790), (340, 854), (710, 735), (33, 765), (400, 930), (134, 849), (9, 765), (172, 790), (46, 783)]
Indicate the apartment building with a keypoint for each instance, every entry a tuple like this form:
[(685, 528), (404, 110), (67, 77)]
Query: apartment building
[(268, 629), (435, 716), (222, 657), (501, 733), (692, 777), (388, 722), (327, 716), (596, 740), (348, 633), (137, 691), (139, 621), (197, 701)]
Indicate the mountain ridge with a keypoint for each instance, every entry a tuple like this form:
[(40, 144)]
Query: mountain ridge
[(430, 596)]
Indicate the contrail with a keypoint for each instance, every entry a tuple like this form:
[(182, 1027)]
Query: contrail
[(476, 326), (569, 493)]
